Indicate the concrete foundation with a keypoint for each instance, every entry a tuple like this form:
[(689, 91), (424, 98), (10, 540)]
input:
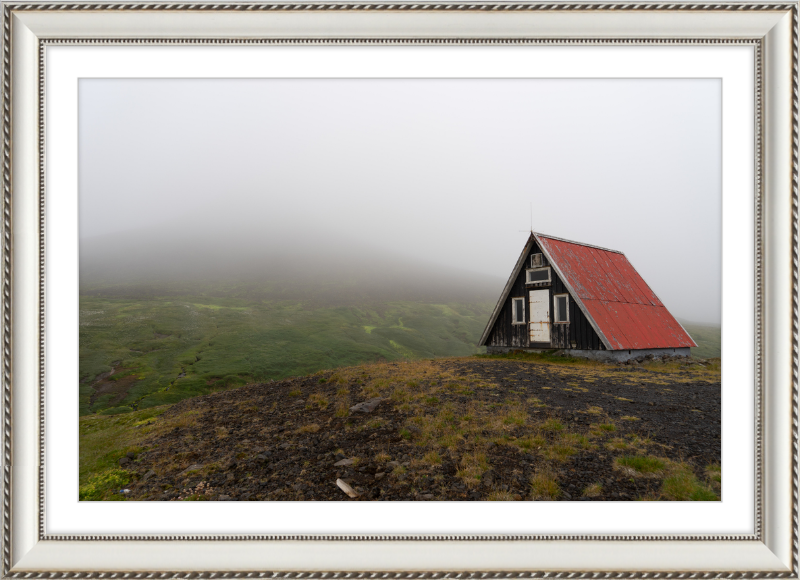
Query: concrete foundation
[(602, 355)]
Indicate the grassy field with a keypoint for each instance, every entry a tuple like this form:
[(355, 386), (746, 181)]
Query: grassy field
[(160, 351), (707, 337)]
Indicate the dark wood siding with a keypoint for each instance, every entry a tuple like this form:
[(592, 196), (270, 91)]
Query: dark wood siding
[(577, 333)]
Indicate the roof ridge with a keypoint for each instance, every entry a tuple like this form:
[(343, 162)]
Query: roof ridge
[(549, 237)]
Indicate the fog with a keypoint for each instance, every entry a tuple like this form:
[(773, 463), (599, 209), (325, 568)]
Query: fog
[(431, 184)]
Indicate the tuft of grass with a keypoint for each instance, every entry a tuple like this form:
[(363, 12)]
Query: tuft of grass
[(607, 427), (449, 441), (544, 486), (310, 428), (400, 395), (630, 418), (558, 452), (682, 485), (433, 458), (382, 457), (318, 399), (593, 490), (500, 496), (530, 442), (553, 425), (576, 440), (473, 466), (341, 410), (295, 393), (619, 444), (514, 415), (644, 464), (714, 472)]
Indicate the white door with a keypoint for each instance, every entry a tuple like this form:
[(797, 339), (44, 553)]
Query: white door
[(539, 315)]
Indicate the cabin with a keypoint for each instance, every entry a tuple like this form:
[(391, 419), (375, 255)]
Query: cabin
[(586, 300)]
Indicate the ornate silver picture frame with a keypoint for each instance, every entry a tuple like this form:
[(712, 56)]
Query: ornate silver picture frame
[(771, 29)]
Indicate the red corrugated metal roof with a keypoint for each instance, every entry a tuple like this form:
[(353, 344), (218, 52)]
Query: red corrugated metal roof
[(621, 304)]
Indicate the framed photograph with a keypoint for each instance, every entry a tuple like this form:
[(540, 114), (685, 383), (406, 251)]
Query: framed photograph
[(293, 288)]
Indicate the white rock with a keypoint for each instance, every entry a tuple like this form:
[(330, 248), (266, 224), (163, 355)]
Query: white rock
[(346, 488)]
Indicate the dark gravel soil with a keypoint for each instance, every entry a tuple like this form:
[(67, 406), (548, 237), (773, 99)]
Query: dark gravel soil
[(276, 441)]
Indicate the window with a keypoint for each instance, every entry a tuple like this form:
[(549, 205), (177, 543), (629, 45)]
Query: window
[(537, 261), (537, 275), (562, 307), (517, 311)]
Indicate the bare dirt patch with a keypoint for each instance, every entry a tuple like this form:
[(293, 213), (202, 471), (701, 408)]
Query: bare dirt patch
[(115, 383)]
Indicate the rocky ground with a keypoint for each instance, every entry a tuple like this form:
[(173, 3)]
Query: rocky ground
[(449, 429)]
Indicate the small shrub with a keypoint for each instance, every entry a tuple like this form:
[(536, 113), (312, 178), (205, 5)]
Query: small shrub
[(101, 485)]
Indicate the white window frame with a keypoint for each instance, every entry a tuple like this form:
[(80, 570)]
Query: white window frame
[(528, 280), (556, 311), (514, 301), (541, 260)]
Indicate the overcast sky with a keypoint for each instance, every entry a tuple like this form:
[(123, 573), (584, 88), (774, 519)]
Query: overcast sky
[(446, 171)]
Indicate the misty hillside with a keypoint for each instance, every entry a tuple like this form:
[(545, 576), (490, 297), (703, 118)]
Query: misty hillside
[(167, 314), (270, 265)]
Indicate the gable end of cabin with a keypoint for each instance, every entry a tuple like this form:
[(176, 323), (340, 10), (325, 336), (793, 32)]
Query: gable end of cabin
[(539, 312)]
